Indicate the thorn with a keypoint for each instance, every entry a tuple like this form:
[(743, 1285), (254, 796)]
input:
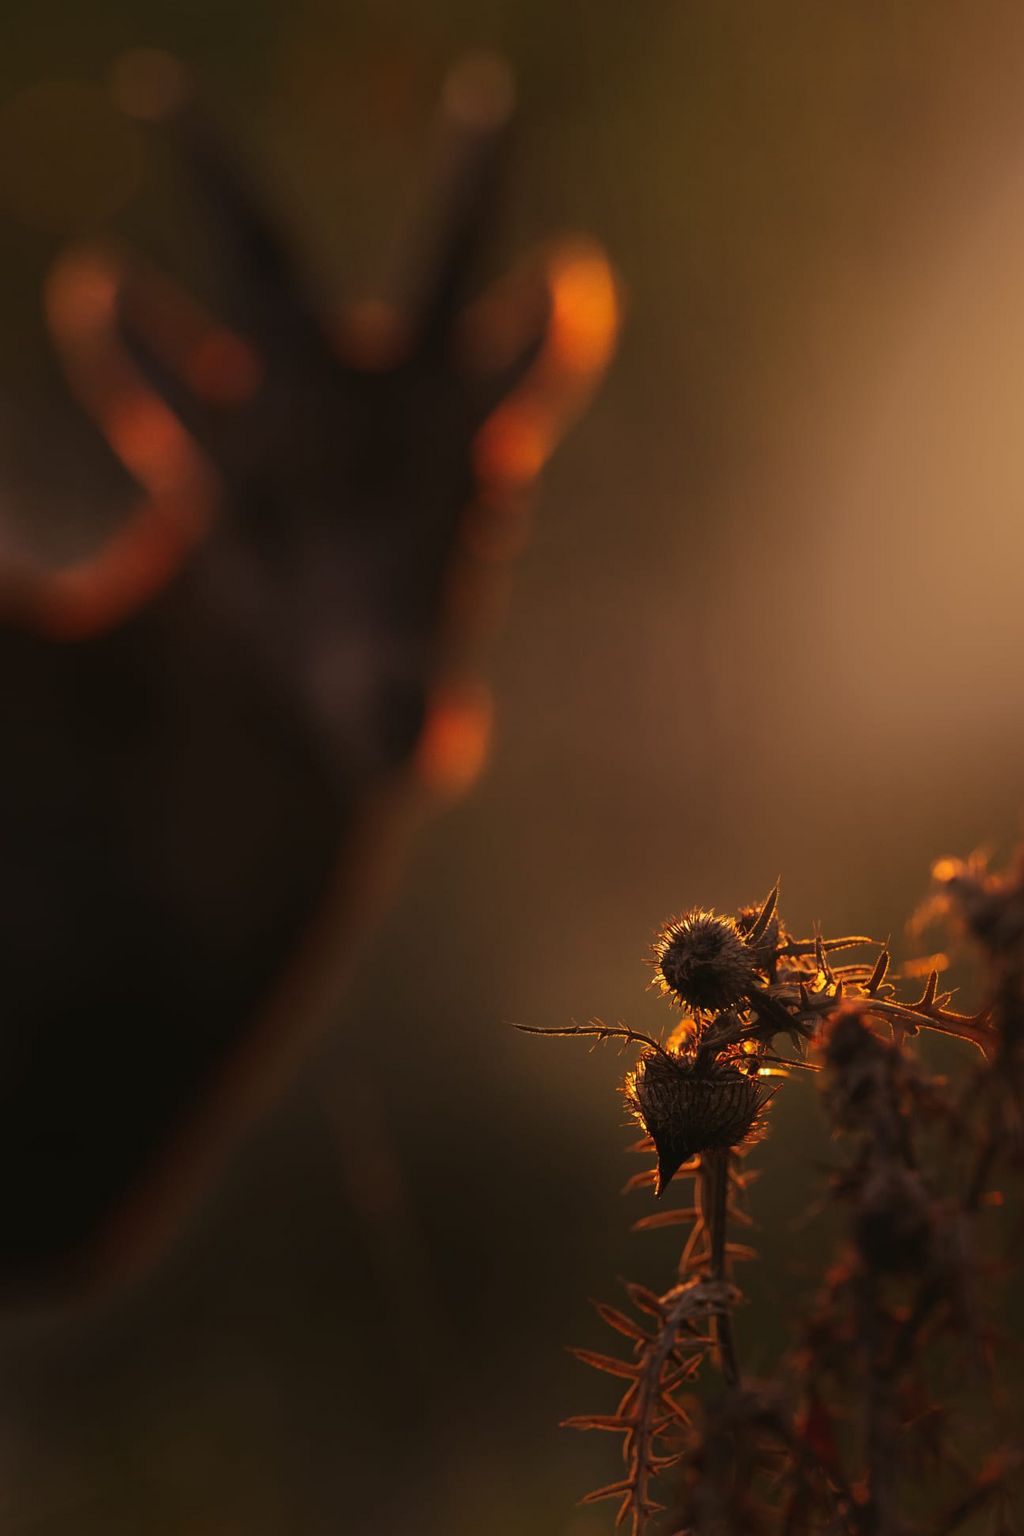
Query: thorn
[(765, 915), (673, 1218), (609, 1421), (644, 1299), (878, 975), (685, 1372), (609, 1363), (741, 1252), (620, 1322), (677, 1412), (609, 1491), (743, 1217)]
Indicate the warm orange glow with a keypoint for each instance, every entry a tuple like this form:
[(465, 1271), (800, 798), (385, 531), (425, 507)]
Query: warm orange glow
[(585, 311), (925, 965), (681, 1035), (216, 363), (518, 438), (91, 595), (146, 438), (223, 370), (81, 295), (85, 598), (514, 445), (453, 748), (945, 869)]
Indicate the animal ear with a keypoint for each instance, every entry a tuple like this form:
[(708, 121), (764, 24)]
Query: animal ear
[(95, 593), (537, 345), (558, 335)]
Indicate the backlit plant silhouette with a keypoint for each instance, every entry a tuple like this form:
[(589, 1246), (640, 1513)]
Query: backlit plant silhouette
[(885, 1416)]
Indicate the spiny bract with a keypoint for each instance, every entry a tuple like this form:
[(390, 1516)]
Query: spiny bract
[(688, 1110)]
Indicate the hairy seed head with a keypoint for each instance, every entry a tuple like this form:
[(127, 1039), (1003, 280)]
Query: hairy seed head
[(687, 1111), (704, 962)]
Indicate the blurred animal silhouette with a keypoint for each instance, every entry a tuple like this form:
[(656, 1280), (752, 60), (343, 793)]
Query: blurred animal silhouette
[(211, 725)]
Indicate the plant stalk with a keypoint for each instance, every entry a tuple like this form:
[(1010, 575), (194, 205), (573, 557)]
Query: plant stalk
[(715, 1210)]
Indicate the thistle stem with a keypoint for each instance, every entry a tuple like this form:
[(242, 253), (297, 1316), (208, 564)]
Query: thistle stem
[(881, 1430), (714, 1199)]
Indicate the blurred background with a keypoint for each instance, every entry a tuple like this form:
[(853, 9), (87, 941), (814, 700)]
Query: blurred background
[(770, 622)]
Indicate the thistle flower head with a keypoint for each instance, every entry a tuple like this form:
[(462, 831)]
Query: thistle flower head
[(704, 962), (688, 1110)]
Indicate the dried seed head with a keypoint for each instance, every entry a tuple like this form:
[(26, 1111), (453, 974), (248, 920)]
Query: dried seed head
[(686, 1111), (863, 1074), (894, 1220), (704, 962), (766, 946)]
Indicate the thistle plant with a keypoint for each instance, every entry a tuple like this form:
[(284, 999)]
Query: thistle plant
[(890, 1372)]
